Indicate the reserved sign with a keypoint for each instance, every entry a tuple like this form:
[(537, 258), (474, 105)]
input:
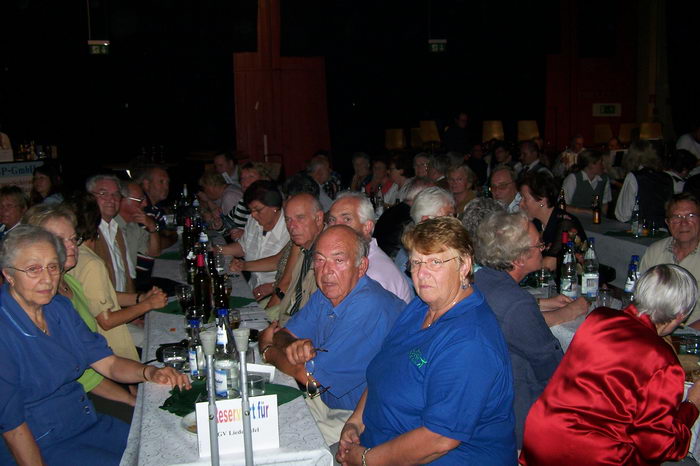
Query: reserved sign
[(264, 423)]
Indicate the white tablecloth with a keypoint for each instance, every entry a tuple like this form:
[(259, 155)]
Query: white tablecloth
[(156, 437), (615, 251)]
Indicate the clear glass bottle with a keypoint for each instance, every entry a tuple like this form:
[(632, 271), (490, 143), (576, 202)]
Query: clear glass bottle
[(196, 353), (591, 276)]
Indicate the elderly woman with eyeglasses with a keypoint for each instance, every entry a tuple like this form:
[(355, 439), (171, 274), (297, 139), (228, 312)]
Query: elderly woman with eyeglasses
[(616, 397), (265, 233), (45, 416), (508, 247), (60, 221), (440, 389)]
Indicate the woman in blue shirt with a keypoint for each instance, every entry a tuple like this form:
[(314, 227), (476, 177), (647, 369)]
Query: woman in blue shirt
[(440, 389), (45, 416)]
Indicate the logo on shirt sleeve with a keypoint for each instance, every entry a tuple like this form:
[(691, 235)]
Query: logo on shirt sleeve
[(416, 357)]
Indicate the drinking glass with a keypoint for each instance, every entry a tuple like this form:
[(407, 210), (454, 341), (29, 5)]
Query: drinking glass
[(220, 263), (256, 385), (605, 298), (175, 357), (184, 296)]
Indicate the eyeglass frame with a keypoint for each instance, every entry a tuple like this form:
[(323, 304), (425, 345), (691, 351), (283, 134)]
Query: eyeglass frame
[(136, 199), (105, 194), (677, 219), (437, 263), (311, 381), (541, 245), (500, 186), (37, 273)]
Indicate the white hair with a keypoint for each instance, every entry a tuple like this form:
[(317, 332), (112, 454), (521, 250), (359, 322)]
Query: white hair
[(93, 180), (429, 202), (365, 210), (664, 292)]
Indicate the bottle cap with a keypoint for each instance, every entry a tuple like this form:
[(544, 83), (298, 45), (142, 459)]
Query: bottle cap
[(194, 323), (200, 260), (203, 238), (222, 312), (564, 237), (591, 241)]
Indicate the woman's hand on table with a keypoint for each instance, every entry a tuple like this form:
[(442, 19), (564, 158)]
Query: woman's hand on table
[(554, 303), (262, 291), (168, 376), (236, 265)]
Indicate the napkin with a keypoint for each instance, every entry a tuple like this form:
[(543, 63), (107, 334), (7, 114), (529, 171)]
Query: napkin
[(181, 403), (173, 307)]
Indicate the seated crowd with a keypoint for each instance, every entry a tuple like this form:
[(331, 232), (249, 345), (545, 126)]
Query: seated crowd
[(394, 299)]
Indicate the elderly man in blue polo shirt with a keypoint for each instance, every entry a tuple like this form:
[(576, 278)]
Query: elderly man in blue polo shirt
[(327, 345)]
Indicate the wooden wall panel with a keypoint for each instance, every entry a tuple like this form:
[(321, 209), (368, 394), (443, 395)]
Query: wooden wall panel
[(281, 97), (575, 83)]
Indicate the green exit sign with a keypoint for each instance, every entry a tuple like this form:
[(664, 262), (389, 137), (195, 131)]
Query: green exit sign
[(98, 47), (607, 110), (437, 45)]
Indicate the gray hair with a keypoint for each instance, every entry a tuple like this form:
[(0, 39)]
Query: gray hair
[(23, 236), (504, 167), (477, 210), (365, 211), (315, 163), (440, 163), (665, 292), (415, 185), (501, 239), (93, 180), (456, 159), (429, 202), (146, 172)]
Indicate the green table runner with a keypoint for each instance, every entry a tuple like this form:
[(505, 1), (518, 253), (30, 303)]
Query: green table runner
[(181, 403), (174, 307)]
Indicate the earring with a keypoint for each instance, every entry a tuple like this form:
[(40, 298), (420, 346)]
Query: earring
[(465, 284), (541, 205)]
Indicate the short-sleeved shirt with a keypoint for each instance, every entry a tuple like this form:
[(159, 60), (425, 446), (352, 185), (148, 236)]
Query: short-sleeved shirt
[(92, 274), (258, 245), (453, 378), (39, 371), (352, 332)]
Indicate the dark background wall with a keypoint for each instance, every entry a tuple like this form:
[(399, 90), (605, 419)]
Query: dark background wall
[(169, 76)]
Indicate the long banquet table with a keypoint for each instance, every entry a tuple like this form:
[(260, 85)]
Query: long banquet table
[(615, 251), (156, 437)]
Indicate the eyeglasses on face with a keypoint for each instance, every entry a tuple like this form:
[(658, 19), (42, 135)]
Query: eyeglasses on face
[(34, 271), (73, 240), (676, 219), (136, 199), (432, 264), (541, 246), (500, 186), (258, 210)]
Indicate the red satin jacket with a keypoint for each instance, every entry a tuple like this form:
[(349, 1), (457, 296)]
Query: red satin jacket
[(614, 399)]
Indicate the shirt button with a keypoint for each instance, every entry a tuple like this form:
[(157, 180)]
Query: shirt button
[(82, 398), (77, 368), (87, 409)]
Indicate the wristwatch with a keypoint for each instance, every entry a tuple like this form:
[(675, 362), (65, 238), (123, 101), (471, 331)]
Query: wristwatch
[(279, 293)]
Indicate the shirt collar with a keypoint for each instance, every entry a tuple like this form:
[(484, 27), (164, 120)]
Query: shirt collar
[(337, 310)]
